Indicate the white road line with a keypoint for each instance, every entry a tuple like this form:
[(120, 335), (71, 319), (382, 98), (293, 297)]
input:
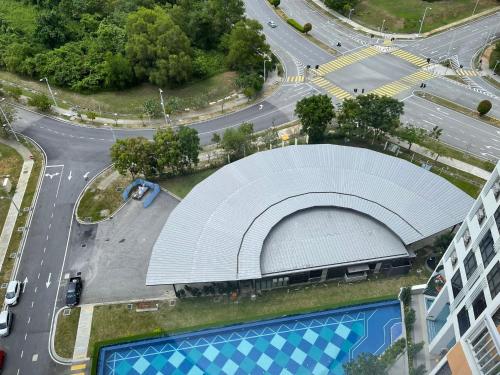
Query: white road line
[(29, 319), (41, 262), (22, 353), (39, 275), (36, 288), (25, 336), (47, 237), (52, 215), (44, 249), (59, 184), (50, 225), (32, 304), (54, 166)]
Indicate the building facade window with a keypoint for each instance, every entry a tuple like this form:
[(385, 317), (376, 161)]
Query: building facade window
[(487, 248), (494, 280), (479, 304), (497, 218), (463, 320), (456, 283), (470, 264)]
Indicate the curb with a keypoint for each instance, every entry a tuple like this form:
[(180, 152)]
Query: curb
[(82, 193), (62, 360)]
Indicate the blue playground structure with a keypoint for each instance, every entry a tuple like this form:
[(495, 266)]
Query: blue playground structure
[(155, 190)]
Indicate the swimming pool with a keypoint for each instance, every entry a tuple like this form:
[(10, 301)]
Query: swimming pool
[(315, 343)]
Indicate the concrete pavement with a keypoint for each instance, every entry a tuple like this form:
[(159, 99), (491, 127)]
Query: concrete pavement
[(83, 333)]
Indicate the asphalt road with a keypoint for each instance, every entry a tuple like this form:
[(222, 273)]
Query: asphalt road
[(73, 151)]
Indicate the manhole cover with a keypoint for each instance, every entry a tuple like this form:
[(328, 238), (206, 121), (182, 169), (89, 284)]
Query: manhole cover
[(13, 255), (20, 229), (67, 312), (4, 285)]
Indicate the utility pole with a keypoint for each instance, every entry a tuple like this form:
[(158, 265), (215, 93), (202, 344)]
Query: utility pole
[(7, 121), (50, 90), (163, 106), (422, 20), (475, 6)]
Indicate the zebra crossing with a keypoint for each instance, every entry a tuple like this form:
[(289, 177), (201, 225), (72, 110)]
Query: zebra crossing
[(410, 57), (331, 88), (295, 79), (403, 84), (346, 60), (467, 73)]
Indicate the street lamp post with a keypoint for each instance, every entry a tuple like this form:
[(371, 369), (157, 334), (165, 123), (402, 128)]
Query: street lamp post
[(116, 119), (475, 7), (50, 90), (422, 20), (163, 106), (382, 27), (12, 200), (7, 121), (350, 11)]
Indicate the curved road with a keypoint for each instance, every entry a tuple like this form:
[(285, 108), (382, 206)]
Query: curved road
[(73, 151)]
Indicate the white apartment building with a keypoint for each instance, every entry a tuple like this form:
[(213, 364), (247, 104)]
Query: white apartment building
[(463, 295)]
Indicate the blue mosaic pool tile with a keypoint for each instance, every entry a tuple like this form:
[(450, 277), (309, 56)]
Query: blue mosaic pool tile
[(318, 343)]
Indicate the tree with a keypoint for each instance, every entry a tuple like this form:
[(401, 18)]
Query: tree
[(118, 73), (7, 117), (91, 116), (341, 6), (436, 132), (411, 134), (215, 138), (276, 3), (237, 142), (246, 46), (442, 242), (152, 108), (189, 146), (40, 102), (157, 48), (307, 27), (483, 107), (134, 156), (365, 364), (51, 28), (315, 113)]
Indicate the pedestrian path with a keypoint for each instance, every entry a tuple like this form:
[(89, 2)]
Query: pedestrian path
[(403, 84), (410, 57), (17, 199), (346, 60), (467, 72), (331, 88), (78, 369), (83, 332), (295, 79)]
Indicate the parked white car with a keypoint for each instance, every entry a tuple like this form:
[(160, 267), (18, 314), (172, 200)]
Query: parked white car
[(12, 294), (5, 322)]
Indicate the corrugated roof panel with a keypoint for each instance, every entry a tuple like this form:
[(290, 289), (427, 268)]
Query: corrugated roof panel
[(203, 235)]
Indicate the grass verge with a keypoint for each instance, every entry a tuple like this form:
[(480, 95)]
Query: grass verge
[(404, 16), (457, 107), (114, 322), (492, 81), (16, 238), (65, 336), (182, 185), (103, 197), (196, 95), (11, 164)]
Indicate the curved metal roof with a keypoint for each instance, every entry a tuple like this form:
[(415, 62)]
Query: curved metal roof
[(217, 232)]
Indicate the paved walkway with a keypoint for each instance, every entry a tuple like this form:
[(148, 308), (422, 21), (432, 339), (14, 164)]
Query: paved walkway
[(83, 333), (17, 199), (420, 331)]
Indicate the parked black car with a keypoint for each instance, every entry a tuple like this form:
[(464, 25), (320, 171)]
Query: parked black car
[(74, 291)]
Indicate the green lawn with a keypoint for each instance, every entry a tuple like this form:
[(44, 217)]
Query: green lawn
[(116, 321), (10, 164), (64, 340), (195, 95), (99, 197), (182, 185), (403, 16)]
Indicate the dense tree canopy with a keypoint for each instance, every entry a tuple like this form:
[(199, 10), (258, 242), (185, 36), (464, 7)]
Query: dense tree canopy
[(90, 45), (315, 113)]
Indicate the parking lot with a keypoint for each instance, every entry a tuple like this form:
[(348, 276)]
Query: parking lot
[(113, 256)]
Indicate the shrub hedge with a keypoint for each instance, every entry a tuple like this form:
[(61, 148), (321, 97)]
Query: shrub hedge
[(295, 24)]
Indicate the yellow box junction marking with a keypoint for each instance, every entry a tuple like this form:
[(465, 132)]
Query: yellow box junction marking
[(295, 79), (80, 366), (403, 84), (346, 60), (467, 72), (331, 88), (414, 59)]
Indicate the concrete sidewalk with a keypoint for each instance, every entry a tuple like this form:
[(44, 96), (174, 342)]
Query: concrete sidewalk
[(83, 333), (17, 199)]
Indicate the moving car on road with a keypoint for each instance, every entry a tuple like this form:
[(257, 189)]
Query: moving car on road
[(5, 322), (12, 294), (74, 291), (2, 360), (272, 24)]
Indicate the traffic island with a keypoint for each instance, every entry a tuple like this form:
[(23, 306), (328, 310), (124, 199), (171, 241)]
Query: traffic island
[(66, 329)]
